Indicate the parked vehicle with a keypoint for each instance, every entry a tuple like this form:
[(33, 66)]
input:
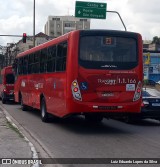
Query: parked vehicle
[(158, 82), (150, 82), (7, 84), (150, 107), (150, 103)]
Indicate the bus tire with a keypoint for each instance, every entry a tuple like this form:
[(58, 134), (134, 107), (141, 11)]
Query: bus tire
[(23, 106), (44, 113), (94, 118)]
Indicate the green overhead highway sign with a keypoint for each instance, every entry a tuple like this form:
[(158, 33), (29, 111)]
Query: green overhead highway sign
[(90, 10)]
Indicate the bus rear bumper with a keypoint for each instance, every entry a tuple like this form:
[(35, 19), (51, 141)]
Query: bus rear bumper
[(108, 109)]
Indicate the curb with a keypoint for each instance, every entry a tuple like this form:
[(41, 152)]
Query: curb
[(32, 148)]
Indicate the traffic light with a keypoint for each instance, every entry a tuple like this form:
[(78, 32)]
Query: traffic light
[(24, 37)]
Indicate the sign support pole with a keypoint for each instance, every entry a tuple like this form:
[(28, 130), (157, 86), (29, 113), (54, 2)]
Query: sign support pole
[(119, 17)]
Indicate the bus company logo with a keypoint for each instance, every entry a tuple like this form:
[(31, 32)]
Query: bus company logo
[(109, 66), (117, 81), (107, 81)]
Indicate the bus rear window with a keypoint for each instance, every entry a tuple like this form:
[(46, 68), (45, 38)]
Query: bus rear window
[(107, 52), (10, 79)]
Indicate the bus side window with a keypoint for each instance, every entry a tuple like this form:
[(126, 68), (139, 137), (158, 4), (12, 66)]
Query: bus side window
[(51, 58), (20, 66), (61, 56), (25, 65), (10, 79), (43, 58), (37, 62), (31, 64)]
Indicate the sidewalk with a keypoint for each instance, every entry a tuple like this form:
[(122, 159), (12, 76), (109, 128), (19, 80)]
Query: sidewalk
[(12, 142)]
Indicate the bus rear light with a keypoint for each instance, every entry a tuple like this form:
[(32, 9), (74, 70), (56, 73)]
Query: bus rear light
[(76, 91), (74, 83), (138, 90), (137, 93)]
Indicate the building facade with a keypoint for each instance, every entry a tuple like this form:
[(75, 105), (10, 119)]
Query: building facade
[(151, 63), (149, 46), (59, 25), (12, 49)]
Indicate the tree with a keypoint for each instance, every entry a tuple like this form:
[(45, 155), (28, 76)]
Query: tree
[(156, 40)]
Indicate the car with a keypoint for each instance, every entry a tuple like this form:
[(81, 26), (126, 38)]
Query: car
[(149, 82), (158, 82), (150, 103), (150, 107)]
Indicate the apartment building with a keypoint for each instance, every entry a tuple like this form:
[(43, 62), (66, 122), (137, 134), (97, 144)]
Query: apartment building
[(59, 25)]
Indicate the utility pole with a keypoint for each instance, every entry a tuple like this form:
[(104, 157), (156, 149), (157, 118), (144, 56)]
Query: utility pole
[(33, 23)]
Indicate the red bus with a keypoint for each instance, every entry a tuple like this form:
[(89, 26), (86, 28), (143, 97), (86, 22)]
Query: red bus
[(96, 73), (7, 84)]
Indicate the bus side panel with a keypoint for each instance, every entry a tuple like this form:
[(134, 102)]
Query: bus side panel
[(32, 90), (140, 55), (140, 66), (20, 89), (52, 87), (56, 94), (72, 68)]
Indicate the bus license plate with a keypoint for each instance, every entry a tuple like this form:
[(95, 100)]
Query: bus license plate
[(155, 104)]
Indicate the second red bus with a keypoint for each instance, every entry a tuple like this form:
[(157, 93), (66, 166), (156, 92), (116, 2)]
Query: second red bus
[(7, 84)]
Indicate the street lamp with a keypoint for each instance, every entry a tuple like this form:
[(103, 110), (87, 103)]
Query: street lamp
[(33, 23)]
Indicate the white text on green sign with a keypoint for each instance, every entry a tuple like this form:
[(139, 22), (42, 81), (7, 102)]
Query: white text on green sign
[(90, 10)]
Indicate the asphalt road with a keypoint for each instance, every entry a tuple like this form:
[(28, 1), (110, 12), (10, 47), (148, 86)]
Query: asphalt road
[(75, 138)]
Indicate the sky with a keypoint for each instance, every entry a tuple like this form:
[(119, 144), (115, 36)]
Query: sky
[(16, 16)]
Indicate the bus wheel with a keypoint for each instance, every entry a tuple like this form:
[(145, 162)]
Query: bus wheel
[(23, 106), (94, 118), (44, 114)]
